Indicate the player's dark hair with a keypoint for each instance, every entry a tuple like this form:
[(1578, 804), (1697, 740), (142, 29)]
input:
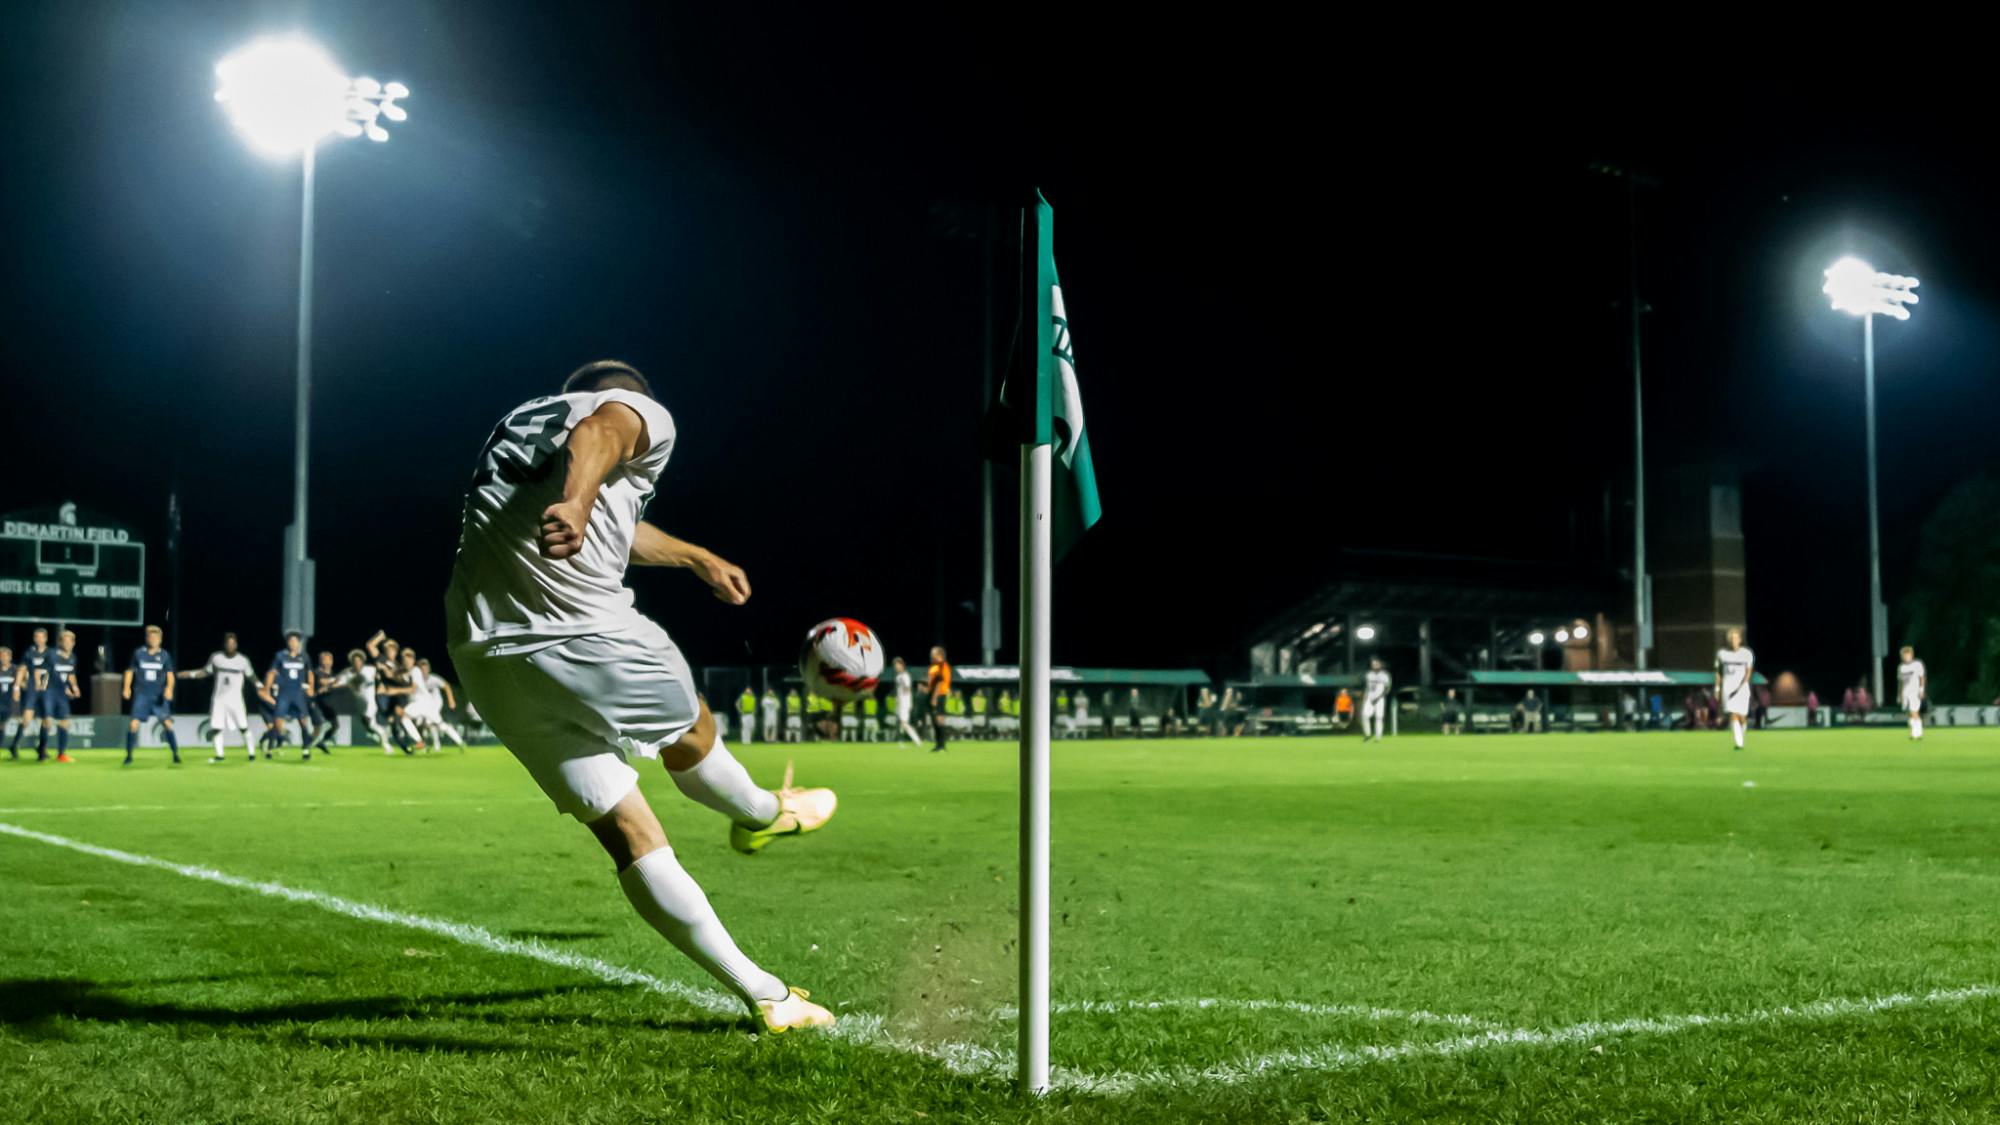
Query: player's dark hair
[(354, 652), (290, 633), (228, 636), (606, 375)]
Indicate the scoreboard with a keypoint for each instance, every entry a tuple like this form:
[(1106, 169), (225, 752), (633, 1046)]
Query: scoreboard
[(62, 566)]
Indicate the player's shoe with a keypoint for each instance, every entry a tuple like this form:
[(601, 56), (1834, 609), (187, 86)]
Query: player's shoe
[(794, 1011), (799, 811), (64, 758)]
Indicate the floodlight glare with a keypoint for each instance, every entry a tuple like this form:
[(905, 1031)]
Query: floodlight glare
[(1536, 637), (1580, 632), (1855, 287), (1562, 636), (282, 94), (1365, 633)]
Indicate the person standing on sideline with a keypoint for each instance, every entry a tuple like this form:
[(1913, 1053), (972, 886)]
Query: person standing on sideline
[(1343, 710), (771, 716), (1911, 684), (1452, 713), (746, 715), (1374, 700), (1735, 673), (938, 680), (1531, 712), (151, 673)]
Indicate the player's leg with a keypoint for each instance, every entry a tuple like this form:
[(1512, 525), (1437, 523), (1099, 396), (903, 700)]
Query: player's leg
[(1736, 724), (167, 734), (131, 736), (1916, 709)]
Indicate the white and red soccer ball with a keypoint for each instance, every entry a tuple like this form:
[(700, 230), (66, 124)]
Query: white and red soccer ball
[(841, 660)]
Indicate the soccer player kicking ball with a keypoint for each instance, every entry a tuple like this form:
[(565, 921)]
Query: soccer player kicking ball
[(149, 687), (1735, 667), (1374, 700), (1910, 685), (577, 683)]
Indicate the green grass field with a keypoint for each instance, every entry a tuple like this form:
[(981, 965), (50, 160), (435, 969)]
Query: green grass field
[(1556, 928)]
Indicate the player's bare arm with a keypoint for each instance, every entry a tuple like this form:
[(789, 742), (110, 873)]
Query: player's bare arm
[(374, 644), (170, 687), (611, 436), (127, 691), (653, 547)]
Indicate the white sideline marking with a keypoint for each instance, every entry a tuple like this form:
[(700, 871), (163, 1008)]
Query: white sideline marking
[(238, 806), (1223, 1004), (456, 931), (1334, 1057), (974, 1060)]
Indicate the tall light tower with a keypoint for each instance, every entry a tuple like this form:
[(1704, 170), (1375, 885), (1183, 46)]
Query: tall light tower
[(1855, 287), (285, 95)]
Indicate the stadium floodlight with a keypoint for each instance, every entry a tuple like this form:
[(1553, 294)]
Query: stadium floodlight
[(1562, 636), (1537, 637), (285, 95), (1580, 631), (1857, 288), (1365, 633)]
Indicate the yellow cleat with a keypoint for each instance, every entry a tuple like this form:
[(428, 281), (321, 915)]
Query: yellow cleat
[(799, 811), (795, 1010)]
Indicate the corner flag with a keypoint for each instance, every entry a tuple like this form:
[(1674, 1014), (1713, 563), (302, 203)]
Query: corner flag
[(1040, 403)]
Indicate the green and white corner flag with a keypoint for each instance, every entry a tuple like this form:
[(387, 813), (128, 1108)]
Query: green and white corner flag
[(1050, 412)]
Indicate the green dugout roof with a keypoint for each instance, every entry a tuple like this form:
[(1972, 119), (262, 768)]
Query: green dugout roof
[(1626, 678)]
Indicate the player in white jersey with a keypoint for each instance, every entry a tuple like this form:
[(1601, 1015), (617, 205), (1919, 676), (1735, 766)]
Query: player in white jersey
[(1374, 700), (577, 683), (906, 693), (432, 695), (1910, 686), (359, 680), (231, 670), (1735, 670)]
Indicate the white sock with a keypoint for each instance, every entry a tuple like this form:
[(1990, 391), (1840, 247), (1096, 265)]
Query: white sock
[(720, 782), (668, 898), (218, 746), (1916, 728), (1736, 729)]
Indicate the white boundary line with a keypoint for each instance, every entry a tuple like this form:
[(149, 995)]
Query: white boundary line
[(290, 806), (974, 1060)]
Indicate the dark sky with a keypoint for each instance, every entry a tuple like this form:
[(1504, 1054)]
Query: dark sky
[(1319, 298)]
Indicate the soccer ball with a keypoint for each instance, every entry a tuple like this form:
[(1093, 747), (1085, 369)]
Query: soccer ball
[(841, 660)]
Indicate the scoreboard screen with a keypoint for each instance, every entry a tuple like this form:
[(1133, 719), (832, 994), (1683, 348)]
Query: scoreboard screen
[(57, 569)]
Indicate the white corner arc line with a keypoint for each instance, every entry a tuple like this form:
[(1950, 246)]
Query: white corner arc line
[(1336, 1058)]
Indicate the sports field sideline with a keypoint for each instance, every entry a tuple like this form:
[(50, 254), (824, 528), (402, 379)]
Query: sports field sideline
[(1554, 928)]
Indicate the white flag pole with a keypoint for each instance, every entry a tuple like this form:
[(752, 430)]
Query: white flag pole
[(1037, 560)]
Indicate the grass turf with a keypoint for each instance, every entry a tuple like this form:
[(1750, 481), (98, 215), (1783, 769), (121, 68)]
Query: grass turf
[(1420, 900)]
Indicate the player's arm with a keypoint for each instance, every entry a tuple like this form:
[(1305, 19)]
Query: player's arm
[(374, 645), (653, 547), (309, 681), (450, 700), (71, 687), (127, 691), (170, 685), (611, 436)]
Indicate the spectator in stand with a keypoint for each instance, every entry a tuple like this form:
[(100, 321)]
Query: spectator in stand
[(1864, 703), (1812, 709), (1205, 711), (1451, 713), (1343, 710), (1132, 713)]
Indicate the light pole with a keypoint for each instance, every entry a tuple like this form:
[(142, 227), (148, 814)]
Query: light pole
[(285, 95), (1855, 287)]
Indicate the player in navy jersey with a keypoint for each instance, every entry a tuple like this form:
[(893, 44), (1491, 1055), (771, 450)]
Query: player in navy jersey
[(10, 699), (61, 688), (288, 684), (30, 682), (149, 686), (326, 681)]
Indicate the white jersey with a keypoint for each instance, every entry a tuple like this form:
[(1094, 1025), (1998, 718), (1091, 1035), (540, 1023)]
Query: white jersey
[(502, 589), (1734, 666), (1378, 685), (360, 681), (230, 672), (1910, 680), (426, 698), (905, 694)]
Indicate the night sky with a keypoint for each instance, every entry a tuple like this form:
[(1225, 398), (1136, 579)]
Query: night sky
[(1318, 301)]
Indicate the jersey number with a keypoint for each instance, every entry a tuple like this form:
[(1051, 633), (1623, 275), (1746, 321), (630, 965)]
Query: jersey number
[(531, 452)]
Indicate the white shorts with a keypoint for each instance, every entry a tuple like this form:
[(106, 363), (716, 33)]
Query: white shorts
[(902, 709), (225, 712), (1912, 702), (575, 711), (425, 710), (1375, 709), (1737, 702)]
